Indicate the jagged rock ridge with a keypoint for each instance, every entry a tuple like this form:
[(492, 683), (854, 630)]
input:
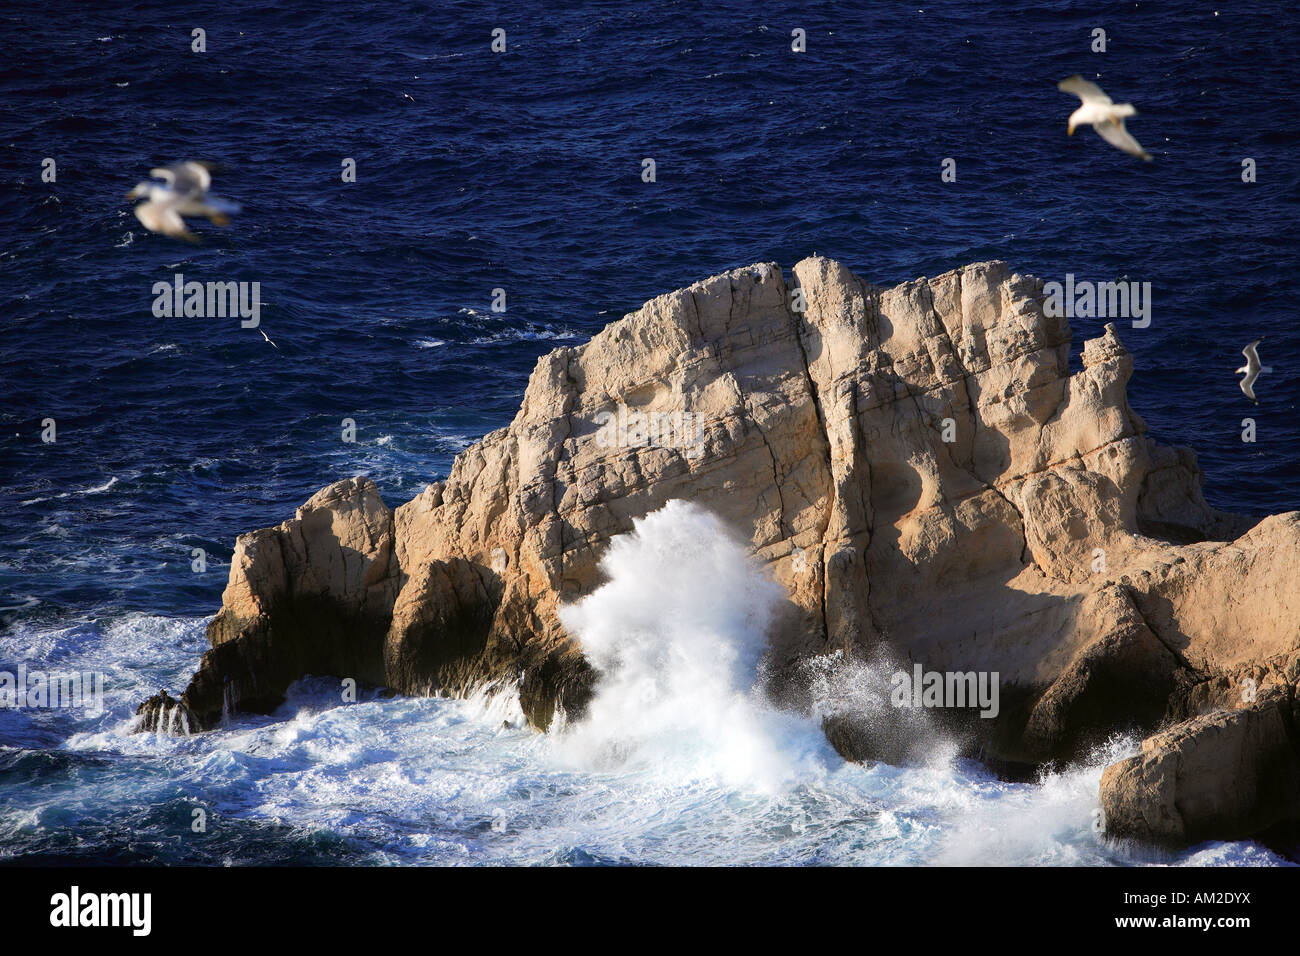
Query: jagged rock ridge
[(1048, 538)]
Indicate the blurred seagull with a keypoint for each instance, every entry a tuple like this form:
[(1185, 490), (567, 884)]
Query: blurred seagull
[(268, 338), (1106, 116), (182, 191), (1252, 368)]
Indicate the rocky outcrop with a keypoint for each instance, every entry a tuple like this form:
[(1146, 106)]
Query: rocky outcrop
[(1223, 775), (334, 592), (916, 465)]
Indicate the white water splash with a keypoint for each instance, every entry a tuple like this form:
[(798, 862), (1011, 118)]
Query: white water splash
[(677, 635)]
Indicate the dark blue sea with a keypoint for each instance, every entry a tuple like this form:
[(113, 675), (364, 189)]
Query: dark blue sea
[(522, 171)]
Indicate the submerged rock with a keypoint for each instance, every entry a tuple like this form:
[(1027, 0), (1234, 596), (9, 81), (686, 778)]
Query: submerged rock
[(916, 465)]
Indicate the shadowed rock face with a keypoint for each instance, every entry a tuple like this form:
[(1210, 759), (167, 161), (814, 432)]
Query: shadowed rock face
[(916, 466)]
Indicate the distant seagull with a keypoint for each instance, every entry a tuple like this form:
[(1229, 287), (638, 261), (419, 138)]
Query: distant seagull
[(183, 191), (268, 338), (409, 97), (1106, 116), (1253, 369)]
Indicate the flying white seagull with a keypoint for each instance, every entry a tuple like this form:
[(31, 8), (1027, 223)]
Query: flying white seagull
[(1105, 115), (183, 191), (268, 338), (1252, 368)]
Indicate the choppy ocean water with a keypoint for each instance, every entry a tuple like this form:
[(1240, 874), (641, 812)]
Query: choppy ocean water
[(522, 171)]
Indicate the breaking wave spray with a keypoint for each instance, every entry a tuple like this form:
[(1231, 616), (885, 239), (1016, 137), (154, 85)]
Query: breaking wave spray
[(677, 634)]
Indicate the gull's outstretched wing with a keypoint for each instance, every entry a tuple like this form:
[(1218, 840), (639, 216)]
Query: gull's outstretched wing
[(218, 210), (186, 178), (221, 205), (1252, 370), (163, 218), (1085, 90), (1113, 132)]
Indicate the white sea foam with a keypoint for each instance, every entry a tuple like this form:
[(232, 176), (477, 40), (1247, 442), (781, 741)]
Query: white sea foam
[(680, 759), (528, 333)]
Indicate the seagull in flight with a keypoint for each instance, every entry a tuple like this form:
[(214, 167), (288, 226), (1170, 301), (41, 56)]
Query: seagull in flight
[(1252, 368), (268, 338), (177, 191), (1105, 115)]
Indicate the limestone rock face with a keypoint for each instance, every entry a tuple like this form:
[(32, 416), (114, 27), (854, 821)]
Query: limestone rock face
[(916, 465), (310, 596)]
